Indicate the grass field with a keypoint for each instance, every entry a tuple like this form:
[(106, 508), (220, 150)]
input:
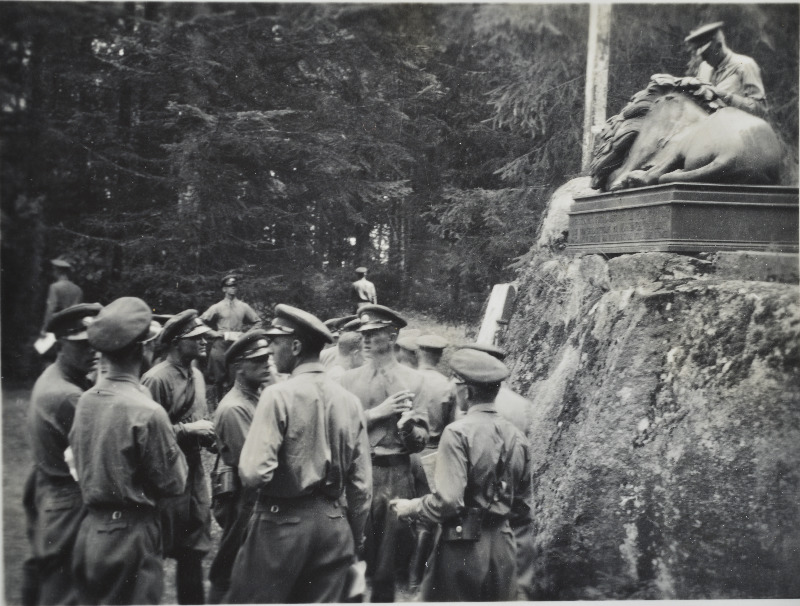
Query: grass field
[(16, 460)]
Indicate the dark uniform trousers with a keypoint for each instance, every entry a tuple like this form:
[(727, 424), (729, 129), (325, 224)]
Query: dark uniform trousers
[(295, 551), (186, 529), (390, 542), (117, 558), (473, 570), (54, 525), (232, 512)]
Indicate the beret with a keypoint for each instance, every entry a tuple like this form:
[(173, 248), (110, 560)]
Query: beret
[(377, 316), (290, 320), (120, 323), (487, 348), (71, 323), (361, 270), (431, 342), (700, 34), (475, 366), (408, 343), (252, 344), (182, 326), (229, 280), (61, 261)]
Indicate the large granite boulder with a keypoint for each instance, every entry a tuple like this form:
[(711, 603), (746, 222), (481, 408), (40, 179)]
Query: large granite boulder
[(666, 437)]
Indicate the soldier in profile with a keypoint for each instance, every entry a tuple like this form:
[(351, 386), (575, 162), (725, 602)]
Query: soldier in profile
[(735, 78)]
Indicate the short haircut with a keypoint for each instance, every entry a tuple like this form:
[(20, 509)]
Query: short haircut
[(486, 392), (349, 343)]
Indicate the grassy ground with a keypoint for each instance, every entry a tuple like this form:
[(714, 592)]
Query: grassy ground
[(16, 467), (16, 459)]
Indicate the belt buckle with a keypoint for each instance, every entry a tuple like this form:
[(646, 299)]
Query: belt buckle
[(116, 515), (274, 509)]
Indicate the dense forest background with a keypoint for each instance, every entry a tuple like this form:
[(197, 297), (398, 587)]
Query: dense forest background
[(163, 145)]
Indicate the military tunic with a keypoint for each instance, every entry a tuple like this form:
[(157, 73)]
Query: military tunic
[(307, 453), (55, 507), (127, 459), (185, 519), (390, 543), (483, 463), (232, 421), (740, 76), (518, 409)]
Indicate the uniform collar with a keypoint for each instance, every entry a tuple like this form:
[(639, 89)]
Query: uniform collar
[(308, 367), (250, 394), (482, 408)]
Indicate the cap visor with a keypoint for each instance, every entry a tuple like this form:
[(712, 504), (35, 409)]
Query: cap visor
[(258, 353), (197, 330), (373, 326), (277, 330), (80, 336)]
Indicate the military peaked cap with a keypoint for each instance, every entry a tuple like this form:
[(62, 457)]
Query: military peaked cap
[(71, 323), (492, 350), (351, 326), (431, 342), (120, 323), (229, 280), (703, 33), (183, 326), (378, 316), (61, 261), (479, 367), (408, 343), (252, 344), (290, 320), (361, 270), (337, 324)]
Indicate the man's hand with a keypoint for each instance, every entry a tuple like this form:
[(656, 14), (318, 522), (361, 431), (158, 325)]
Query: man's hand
[(398, 403), (405, 508), (202, 428)]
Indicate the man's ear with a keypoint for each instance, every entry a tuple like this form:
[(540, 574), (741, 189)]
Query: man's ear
[(393, 334), (297, 347)]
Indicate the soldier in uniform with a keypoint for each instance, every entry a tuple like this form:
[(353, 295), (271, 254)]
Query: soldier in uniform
[(53, 500), (232, 503), (230, 317), (126, 459), (441, 412), (62, 293), (363, 290), (516, 409), (735, 78), (308, 456), (405, 349), (482, 480), (336, 326), (175, 384), (395, 401)]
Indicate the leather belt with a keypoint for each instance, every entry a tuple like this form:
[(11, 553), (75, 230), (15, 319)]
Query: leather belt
[(390, 460)]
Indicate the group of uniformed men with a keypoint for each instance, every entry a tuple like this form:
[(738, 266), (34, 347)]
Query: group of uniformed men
[(320, 444)]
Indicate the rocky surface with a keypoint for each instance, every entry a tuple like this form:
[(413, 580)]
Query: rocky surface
[(666, 436)]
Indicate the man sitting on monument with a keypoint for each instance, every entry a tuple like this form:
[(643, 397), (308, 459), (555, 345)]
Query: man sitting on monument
[(735, 78)]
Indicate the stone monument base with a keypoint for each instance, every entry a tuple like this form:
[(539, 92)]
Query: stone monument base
[(686, 217)]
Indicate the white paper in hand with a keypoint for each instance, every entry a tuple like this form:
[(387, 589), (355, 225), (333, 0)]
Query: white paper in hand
[(357, 579), (43, 344)]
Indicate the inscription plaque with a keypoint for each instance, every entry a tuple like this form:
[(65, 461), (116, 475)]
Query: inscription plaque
[(686, 217)]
